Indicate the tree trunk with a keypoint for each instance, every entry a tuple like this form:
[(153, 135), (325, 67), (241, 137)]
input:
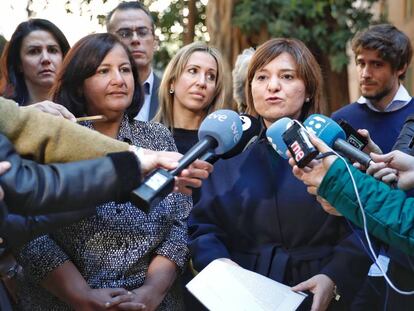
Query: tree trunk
[(335, 86), (190, 27), (226, 37)]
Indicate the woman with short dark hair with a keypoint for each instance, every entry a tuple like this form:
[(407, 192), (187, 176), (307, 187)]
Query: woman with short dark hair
[(80, 64), (253, 211)]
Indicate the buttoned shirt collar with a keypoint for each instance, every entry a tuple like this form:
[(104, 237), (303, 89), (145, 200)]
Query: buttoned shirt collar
[(400, 100)]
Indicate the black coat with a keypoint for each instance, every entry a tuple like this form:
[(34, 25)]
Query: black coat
[(255, 212), (40, 198)]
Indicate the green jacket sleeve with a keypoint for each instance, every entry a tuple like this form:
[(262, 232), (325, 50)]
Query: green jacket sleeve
[(49, 139), (389, 213)]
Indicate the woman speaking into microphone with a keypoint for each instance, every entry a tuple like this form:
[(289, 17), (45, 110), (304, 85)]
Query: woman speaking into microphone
[(253, 211)]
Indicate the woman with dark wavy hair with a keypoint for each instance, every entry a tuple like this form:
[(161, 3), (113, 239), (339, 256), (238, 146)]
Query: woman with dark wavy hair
[(90, 264), (31, 61)]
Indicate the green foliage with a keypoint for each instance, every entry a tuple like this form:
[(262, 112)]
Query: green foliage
[(326, 26)]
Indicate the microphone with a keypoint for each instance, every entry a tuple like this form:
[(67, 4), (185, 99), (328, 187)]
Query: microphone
[(405, 140), (334, 136), (274, 135), (352, 136), (251, 131), (286, 134), (218, 133)]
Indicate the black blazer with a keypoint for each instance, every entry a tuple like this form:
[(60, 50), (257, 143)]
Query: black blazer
[(39, 198), (154, 98), (405, 141)]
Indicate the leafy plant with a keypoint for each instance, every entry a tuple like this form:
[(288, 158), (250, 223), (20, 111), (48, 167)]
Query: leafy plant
[(326, 26)]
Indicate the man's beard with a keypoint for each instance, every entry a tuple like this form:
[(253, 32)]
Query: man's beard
[(378, 96)]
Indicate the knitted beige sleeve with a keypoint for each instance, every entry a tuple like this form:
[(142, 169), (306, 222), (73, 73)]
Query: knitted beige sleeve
[(47, 139)]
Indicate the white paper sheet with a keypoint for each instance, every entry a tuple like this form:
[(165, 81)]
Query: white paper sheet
[(222, 286)]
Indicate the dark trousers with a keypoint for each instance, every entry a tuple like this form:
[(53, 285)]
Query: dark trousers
[(376, 295), (5, 304), (190, 302)]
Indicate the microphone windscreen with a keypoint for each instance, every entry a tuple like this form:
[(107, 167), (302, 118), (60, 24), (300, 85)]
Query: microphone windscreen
[(325, 128), (274, 135), (224, 126), (251, 131)]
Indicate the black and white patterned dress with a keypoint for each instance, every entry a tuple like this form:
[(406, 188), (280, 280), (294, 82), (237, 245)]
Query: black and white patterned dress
[(114, 247)]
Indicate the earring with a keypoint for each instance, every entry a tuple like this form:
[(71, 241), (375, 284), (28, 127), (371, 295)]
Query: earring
[(171, 91), (307, 100)]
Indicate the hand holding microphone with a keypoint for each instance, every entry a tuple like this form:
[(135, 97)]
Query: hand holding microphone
[(315, 171), (286, 134), (189, 177), (251, 130), (313, 174), (219, 132), (321, 126), (333, 135)]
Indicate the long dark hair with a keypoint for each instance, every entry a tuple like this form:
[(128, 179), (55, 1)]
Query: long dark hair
[(12, 83), (81, 63)]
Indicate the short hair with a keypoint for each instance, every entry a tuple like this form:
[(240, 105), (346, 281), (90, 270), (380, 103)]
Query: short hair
[(307, 68), (392, 45), (81, 63), (239, 74), (174, 70), (128, 5), (12, 82)]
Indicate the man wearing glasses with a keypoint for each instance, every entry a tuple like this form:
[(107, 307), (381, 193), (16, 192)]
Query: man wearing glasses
[(133, 24)]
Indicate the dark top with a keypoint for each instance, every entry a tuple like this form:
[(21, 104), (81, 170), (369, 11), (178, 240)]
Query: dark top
[(185, 139), (41, 198), (405, 141), (254, 211), (154, 98), (383, 127)]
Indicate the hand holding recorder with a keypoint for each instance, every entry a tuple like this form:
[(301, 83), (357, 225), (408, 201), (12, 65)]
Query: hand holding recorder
[(219, 132)]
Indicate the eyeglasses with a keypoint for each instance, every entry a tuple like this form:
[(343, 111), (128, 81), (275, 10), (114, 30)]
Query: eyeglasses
[(128, 33)]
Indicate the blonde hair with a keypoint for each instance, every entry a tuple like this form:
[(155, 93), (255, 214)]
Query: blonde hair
[(239, 74), (174, 70)]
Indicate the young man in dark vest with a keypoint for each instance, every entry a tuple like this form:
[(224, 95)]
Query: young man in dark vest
[(382, 55)]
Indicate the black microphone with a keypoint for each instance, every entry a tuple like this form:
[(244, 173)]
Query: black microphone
[(405, 140), (352, 136), (251, 131), (219, 132), (334, 136)]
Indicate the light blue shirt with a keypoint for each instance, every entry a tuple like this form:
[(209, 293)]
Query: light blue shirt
[(143, 114), (400, 100)]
